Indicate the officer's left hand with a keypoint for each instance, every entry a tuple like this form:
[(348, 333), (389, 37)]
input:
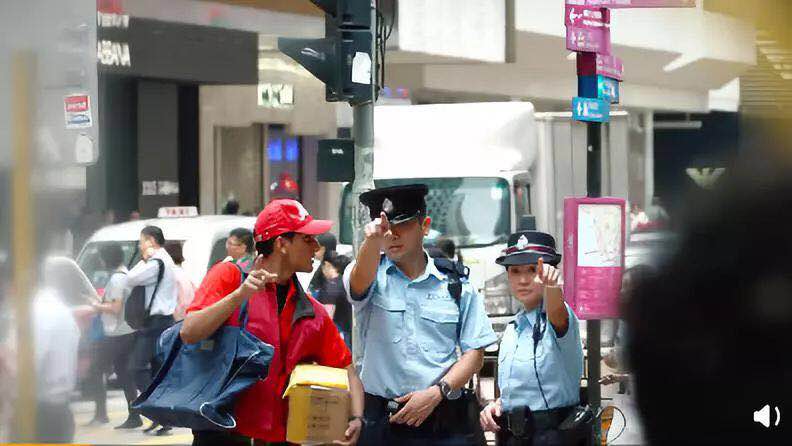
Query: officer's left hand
[(419, 405), (547, 275), (352, 433)]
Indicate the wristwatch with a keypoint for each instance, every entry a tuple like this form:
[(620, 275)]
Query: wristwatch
[(447, 392)]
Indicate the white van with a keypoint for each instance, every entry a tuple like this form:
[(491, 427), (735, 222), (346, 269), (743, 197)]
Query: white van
[(202, 238)]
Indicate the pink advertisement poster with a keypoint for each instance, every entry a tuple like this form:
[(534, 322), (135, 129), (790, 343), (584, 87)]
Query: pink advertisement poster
[(594, 237)]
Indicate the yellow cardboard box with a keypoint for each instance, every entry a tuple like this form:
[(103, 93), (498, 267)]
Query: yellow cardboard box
[(318, 404)]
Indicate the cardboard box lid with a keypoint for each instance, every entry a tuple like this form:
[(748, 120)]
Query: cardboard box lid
[(317, 375)]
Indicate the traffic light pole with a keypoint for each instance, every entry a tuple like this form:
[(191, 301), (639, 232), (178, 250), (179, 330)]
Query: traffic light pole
[(593, 334), (363, 134)]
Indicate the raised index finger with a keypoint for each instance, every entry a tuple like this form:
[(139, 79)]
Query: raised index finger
[(540, 269)]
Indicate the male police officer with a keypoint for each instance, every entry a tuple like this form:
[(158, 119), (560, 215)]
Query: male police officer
[(410, 325)]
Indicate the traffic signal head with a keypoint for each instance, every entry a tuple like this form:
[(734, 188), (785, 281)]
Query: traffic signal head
[(352, 14)]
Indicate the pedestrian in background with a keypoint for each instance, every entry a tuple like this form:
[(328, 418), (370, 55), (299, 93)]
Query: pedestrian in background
[(240, 248), (540, 359), (186, 289), (410, 327), (332, 295), (113, 350), (146, 273)]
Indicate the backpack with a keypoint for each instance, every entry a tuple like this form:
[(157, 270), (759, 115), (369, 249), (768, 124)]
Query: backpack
[(455, 271), (136, 312)]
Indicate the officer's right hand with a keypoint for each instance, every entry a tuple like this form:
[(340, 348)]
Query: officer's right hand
[(487, 416), (257, 280), (376, 230)]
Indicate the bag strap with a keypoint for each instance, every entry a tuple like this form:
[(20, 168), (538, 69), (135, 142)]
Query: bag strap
[(243, 311), (455, 271), (160, 273)]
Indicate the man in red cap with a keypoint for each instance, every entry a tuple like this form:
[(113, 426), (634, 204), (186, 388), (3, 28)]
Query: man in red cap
[(280, 314)]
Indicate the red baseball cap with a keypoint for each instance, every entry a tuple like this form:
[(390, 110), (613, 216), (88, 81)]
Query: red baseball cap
[(284, 215)]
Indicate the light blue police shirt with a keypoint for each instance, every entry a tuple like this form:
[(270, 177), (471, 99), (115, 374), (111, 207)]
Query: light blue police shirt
[(409, 330), (559, 362)]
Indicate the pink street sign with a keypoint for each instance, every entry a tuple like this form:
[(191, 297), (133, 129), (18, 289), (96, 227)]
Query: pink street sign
[(617, 4), (588, 40), (591, 64), (583, 17), (594, 237)]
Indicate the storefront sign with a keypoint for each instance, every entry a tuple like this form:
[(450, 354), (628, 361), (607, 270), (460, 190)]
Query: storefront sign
[(275, 95), (114, 54), (77, 110)]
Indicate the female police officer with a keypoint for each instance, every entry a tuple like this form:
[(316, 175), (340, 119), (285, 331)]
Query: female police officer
[(541, 358)]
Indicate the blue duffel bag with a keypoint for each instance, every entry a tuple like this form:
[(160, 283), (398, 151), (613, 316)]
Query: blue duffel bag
[(197, 385)]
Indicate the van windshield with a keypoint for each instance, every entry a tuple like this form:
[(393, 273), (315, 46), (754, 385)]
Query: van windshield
[(470, 211)]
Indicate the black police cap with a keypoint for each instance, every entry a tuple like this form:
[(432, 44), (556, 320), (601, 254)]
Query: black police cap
[(399, 203), (527, 247)]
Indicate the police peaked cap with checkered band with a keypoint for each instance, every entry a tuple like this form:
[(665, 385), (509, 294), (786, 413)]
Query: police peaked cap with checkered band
[(527, 247), (399, 203)]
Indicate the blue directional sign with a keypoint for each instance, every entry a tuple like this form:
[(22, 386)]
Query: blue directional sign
[(599, 87), (590, 109)]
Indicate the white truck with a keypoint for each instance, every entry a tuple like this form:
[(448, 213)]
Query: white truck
[(489, 165)]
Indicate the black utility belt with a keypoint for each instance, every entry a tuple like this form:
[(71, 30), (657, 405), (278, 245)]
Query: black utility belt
[(523, 422), (450, 416)]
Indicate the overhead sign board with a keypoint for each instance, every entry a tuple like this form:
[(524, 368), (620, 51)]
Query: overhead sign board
[(590, 109), (584, 17), (617, 4), (599, 87), (591, 64), (588, 40)]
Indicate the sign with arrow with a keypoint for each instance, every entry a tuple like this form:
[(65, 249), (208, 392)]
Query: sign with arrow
[(583, 17), (590, 109), (621, 4)]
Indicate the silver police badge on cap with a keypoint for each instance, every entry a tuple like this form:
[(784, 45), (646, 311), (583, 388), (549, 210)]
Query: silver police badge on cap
[(387, 206), (522, 243)]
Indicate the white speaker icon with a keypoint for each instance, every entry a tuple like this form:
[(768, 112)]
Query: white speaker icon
[(762, 416)]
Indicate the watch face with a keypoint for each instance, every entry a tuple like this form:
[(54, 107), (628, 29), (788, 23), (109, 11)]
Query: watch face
[(449, 393), (454, 394)]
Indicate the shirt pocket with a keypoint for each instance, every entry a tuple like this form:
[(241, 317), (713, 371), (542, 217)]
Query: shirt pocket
[(439, 326), (387, 319)]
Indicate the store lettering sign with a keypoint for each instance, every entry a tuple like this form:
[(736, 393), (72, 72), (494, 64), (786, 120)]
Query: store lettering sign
[(114, 54)]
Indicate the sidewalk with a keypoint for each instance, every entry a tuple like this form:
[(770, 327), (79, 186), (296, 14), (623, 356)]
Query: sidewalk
[(117, 411)]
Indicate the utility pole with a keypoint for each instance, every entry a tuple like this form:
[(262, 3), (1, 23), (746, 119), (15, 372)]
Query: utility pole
[(23, 244), (363, 134), (593, 327)]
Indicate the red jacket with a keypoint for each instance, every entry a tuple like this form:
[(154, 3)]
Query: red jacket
[(303, 333)]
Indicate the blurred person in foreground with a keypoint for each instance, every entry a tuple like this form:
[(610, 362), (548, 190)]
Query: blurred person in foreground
[(112, 350), (185, 288), (56, 338), (710, 336), (240, 248)]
